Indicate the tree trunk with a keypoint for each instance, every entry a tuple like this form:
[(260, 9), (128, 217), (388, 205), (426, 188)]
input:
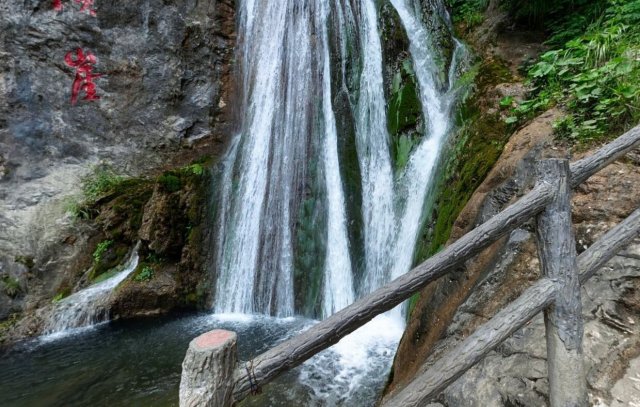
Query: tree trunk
[(207, 370)]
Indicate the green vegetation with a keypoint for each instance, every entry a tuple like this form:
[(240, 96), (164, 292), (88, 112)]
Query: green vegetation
[(478, 142), (59, 297), (106, 275), (404, 116), (7, 324), (146, 273), (594, 77), (27, 261), (101, 250), (101, 182), (11, 286), (468, 12)]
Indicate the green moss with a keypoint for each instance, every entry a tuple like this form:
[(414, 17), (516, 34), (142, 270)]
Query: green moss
[(472, 152), (170, 182), (107, 275), (197, 298)]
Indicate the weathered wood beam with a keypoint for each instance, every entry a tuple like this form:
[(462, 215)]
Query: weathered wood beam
[(296, 350), (581, 170), (207, 370), (608, 246), (563, 318), (446, 370)]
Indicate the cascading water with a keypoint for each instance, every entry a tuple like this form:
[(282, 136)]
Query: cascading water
[(284, 168), (89, 306), (285, 171), (286, 149)]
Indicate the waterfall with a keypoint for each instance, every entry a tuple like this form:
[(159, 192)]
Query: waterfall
[(282, 217), (89, 306), (374, 155), (338, 286)]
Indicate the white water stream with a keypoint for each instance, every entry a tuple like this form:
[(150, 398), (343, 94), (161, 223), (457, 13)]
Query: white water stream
[(87, 307), (287, 150)]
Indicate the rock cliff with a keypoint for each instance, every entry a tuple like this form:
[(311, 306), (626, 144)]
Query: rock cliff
[(162, 100)]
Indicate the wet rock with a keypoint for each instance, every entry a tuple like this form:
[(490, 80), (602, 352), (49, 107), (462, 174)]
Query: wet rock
[(158, 295), (164, 223)]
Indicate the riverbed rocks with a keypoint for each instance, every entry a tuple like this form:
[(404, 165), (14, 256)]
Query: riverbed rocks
[(164, 98)]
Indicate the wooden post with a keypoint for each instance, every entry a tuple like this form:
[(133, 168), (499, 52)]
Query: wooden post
[(207, 370), (563, 319)]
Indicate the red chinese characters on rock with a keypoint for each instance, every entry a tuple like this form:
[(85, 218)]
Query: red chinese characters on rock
[(83, 81), (85, 5)]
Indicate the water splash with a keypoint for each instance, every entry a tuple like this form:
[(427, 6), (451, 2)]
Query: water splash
[(89, 306)]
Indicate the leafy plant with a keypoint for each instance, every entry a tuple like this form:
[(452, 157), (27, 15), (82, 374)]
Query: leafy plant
[(195, 169), (595, 77), (11, 286), (145, 274), (101, 250), (506, 102), (468, 12), (103, 180)]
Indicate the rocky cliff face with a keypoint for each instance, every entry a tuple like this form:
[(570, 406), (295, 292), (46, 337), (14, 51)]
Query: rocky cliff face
[(162, 99)]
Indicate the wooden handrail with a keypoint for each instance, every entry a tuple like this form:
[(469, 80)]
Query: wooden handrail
[(291, 353), (514, 316), (582, 170)]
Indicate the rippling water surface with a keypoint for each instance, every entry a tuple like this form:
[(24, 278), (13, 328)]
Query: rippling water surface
[(138, 363)]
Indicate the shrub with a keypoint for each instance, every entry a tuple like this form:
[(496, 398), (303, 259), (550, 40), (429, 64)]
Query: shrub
[(145, 274), (468, 12), (11, 286), (101, 249)]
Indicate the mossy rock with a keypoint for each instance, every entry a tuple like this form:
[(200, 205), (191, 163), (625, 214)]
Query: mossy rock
[(111, 259), (26, 261), (7, 324), (471, 153)]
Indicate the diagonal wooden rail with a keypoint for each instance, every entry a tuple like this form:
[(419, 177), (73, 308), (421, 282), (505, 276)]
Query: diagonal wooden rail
[(539, 297)]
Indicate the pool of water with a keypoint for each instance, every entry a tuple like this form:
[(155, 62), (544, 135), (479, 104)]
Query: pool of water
[(138, 363)]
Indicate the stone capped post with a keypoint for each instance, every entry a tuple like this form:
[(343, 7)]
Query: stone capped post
[(207, 370)]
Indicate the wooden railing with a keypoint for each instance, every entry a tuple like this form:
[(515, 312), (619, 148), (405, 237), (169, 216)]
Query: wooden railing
[(211, 377)]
